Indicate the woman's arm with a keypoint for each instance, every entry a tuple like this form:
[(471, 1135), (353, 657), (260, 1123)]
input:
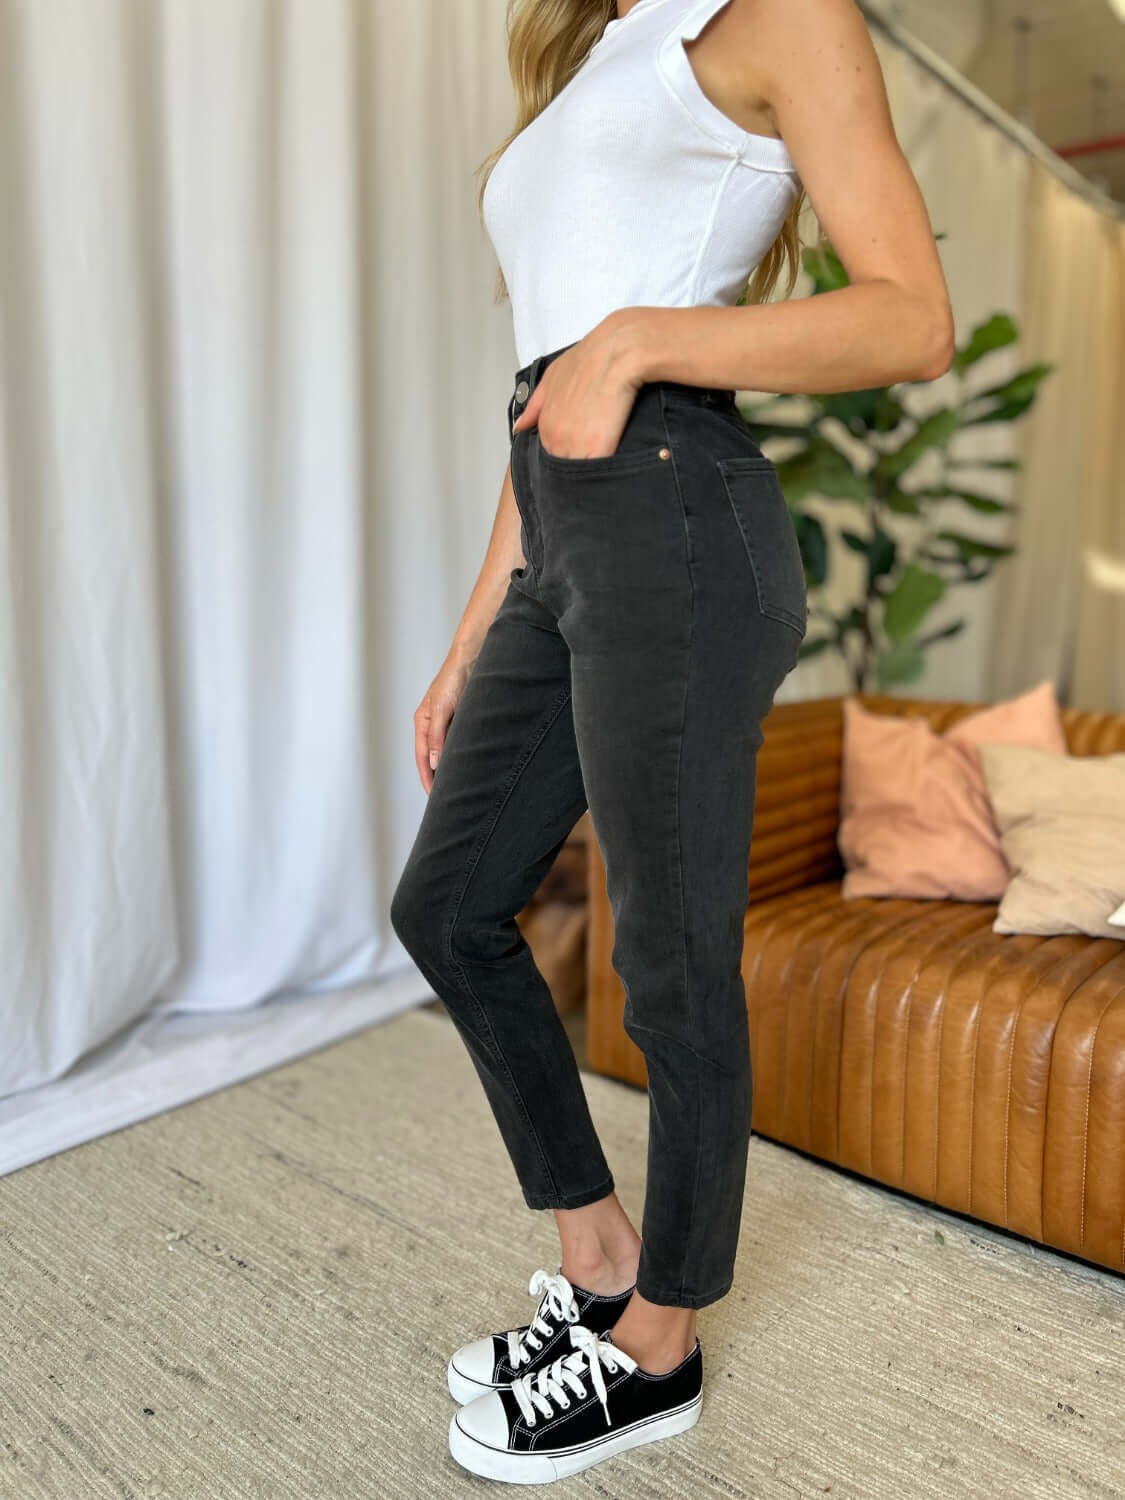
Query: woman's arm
[(504, 552), (433, 714), (813, 63)]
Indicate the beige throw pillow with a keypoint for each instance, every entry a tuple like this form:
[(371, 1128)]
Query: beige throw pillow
[(1062, 830)]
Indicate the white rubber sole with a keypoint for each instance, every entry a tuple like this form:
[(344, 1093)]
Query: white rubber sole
[(461, 1388), (541, 1468)]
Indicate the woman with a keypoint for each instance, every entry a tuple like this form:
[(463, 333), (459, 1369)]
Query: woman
[(641, 600)]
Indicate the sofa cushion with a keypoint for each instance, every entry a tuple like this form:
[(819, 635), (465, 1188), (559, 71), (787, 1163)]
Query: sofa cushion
[(1062, 829), (915, 816)]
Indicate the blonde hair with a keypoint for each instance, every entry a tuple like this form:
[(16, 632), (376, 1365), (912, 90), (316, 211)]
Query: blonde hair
[(548, 41)]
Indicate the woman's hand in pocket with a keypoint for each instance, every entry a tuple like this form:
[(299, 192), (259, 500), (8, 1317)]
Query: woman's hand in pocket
[(433, 714), (583, 399)]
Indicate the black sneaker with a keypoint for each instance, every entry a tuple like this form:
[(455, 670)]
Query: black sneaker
[(549, 1424), (498, 1358)]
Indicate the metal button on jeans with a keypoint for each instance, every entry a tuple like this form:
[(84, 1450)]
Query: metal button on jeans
[(523, 390)]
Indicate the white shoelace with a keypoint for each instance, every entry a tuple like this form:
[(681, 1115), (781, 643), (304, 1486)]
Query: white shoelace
[(558, 1301), (548, 1387)]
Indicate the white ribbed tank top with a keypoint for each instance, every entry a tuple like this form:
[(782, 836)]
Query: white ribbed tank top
[(632, 188)]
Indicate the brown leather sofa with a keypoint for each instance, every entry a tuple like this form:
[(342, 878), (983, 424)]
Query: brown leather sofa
[(904, 1039)]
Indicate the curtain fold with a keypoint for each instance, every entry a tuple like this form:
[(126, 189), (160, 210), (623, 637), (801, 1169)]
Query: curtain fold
[(252, 436), (88, 920), (1063, 596)]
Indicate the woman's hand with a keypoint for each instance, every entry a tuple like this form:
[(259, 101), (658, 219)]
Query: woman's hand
[(432, 716), (583, 401)]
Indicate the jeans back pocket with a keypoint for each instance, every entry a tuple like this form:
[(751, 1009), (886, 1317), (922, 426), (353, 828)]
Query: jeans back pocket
[(762, 513)]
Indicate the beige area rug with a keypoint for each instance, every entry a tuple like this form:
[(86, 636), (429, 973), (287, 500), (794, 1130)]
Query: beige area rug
[(254, 1296)]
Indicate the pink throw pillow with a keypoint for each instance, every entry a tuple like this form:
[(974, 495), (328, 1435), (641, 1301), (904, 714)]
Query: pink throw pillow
[(915, 815)]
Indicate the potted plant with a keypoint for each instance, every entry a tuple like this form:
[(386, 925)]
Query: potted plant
[(881, 636)]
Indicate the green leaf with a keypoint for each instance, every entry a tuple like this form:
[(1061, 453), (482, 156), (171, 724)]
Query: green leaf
[(814, 547), (903, 502), (888, 413), (940, 635), (916, 592), (969, 547), (854, 619), (1006, 402), (986, 504), (985, 463), (1008, 411), (879, 549), (824, 267), (823, 470), (933, 431), (881, 555), (994, 333), (938, 559), (1027, 382), (813, 646), (875, 410), (902, 663)]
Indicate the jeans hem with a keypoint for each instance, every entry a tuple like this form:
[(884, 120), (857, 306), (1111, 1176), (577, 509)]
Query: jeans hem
[(684, 1299), (569, 1200)]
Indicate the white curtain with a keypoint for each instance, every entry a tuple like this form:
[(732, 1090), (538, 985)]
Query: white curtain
[(1064, 597), (252, 435)]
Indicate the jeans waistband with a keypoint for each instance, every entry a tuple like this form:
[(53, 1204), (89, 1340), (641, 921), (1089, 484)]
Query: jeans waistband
[(527, 378)]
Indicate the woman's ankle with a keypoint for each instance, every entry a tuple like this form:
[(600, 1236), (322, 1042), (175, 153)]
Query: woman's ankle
[(606, 1272), (600, 1247), (657, 1337)]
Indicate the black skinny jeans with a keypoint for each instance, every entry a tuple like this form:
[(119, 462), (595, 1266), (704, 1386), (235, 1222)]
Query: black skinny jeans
[(628, 669)]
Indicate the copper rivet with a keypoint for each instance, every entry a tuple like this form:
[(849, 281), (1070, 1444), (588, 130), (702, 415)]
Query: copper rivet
[(665, 453)]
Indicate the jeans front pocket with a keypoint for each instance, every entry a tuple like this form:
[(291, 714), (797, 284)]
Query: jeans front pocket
[(762, 514), (643, 444), (624, 461)]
